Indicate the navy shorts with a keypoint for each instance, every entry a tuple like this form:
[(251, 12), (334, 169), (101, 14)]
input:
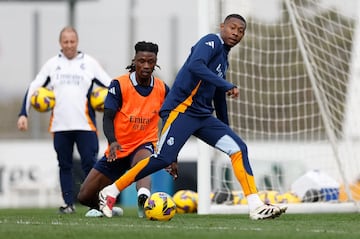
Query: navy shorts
[(117, 168)]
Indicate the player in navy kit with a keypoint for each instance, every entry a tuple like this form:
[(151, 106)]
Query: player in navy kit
[(71, 74), (199, 89)]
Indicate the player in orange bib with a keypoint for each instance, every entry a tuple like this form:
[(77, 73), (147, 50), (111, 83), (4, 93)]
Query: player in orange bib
[(130, 123)]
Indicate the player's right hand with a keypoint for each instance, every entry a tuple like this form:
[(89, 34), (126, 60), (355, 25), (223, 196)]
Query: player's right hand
[(233, 92), (172, 169), (114, 146), (22, 123)]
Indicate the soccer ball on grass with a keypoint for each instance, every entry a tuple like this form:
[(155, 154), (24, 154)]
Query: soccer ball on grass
[(159, 207), (289, 197), (186, 201), (43, 99)]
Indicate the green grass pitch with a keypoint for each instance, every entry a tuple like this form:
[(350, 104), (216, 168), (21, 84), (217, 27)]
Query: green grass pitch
[(47, 224)]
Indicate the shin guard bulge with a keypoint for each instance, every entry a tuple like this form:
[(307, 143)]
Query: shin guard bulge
[(246, 180)]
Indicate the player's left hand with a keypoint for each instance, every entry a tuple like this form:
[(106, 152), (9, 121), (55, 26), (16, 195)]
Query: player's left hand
[(233, 92), (172, 169)]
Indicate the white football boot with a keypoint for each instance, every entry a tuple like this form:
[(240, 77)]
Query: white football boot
[(106, 203), (267, 211)]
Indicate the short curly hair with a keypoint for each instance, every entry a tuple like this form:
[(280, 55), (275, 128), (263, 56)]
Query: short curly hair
[(143, 46)]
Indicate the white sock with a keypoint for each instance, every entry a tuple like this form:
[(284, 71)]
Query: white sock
[(143, 190), (254, 201), (112, 190)]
